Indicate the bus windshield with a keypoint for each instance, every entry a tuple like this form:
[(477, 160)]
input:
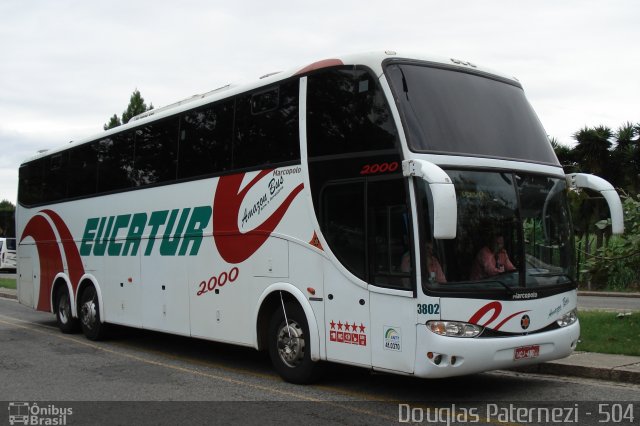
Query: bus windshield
[(513, 232), (464, 113)]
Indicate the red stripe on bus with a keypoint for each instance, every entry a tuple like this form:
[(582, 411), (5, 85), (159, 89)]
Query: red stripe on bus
[(74, 262), (319, 65), (49, 254)]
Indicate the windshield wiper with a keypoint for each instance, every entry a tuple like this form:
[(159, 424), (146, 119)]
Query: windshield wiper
[(476, 283), (503, 284), (551, 274), (405, 87)]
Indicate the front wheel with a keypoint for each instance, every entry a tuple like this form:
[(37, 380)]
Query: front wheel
[(290, 346), (89, 314)]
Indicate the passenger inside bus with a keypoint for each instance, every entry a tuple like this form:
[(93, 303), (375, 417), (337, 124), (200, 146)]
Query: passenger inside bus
[(435, 269), (491, 260)]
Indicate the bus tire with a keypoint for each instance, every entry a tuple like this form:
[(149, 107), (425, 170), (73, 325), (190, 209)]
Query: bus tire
[(89, 313), (289, 345), (64, 318)]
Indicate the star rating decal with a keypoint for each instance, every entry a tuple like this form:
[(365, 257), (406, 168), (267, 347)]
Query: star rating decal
[(348, 332)]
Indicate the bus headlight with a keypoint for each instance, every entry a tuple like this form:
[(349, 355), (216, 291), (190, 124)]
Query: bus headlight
[(454, 328), (568, 318)]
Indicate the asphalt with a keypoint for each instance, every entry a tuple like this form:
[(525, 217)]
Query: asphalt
[(618, 368)]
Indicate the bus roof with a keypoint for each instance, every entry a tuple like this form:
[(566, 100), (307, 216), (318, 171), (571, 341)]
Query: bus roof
[(372, 60)]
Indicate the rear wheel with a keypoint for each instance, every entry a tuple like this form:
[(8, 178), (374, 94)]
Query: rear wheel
[(66, 322), (89, 314), (290, 346)]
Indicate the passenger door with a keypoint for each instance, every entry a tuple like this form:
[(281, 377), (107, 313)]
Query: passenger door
[(392, 302), (347, 299)]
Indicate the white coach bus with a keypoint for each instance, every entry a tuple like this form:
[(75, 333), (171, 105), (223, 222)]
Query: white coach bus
[(401, 213)]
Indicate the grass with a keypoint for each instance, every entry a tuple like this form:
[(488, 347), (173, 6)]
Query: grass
[(8, 283), (604, 332)]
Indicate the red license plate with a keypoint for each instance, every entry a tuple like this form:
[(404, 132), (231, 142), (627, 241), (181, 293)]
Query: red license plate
[(525, 352)]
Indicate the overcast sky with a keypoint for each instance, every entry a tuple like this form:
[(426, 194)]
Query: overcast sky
[(66, 66)]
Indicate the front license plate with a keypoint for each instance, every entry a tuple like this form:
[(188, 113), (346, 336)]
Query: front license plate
[(525, 352)]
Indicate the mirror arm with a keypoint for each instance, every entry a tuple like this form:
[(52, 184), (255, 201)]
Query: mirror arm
[(583, 180)]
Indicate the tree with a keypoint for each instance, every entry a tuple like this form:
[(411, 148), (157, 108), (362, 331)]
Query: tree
[(7, 221), (113, 122), (626, 157), (564, 154), (136, 106), (592, 149)]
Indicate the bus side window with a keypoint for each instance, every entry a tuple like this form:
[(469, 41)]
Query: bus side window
[(347, 112), (205, 140), (156, 152), (388, 234), (83, 170), (266, 127), (115, 162), (343, 224)]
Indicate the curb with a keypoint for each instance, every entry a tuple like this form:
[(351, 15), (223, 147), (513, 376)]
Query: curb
[(7, 293), (608, 294), (590, 365)]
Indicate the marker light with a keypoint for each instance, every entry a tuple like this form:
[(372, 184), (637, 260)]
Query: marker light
[(568, 318), (454, 328)]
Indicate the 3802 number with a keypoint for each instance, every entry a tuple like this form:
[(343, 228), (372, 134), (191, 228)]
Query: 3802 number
[(371, 169), (218, 281), (428, 309)]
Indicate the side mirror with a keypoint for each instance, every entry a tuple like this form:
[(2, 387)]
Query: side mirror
[(443, 193), (582, 180)]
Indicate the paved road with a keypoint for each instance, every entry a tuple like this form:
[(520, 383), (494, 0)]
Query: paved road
[(620, 304), (38, 363)]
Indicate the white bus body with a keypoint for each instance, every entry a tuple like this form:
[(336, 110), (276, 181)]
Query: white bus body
[(220, 239)]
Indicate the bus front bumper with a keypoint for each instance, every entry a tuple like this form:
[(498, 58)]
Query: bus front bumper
[(442, 356)]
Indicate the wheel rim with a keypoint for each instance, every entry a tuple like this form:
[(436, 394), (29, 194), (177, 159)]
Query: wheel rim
[(64, 309), (89, 313), (291, 344)]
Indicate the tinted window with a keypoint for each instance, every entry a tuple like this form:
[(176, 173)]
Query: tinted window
[(205, 140), (347, 112), (56, 181), (83, 173), (369, 235), (266, 126), (115, 162), (343, 224), (156, 152), (248, 131), (388, 221), (31, 185), (457, 112)]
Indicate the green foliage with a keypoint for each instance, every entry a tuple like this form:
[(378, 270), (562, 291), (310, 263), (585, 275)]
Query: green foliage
[(8, 283), (7, 219), (7, 206), (616, 265), (605, 261), (136, 106), (113, 122), (606, 332)]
